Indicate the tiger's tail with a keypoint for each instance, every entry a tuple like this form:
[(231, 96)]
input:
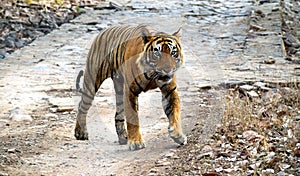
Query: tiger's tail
[(78, 88)]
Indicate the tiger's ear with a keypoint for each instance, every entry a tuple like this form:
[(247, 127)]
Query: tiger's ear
[(178, 33), (146, 35)]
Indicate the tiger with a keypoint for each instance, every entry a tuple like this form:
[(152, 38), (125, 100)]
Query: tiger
[(137, 59)]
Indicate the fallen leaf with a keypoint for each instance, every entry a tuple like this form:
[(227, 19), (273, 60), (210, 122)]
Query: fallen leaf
[(211, 174)]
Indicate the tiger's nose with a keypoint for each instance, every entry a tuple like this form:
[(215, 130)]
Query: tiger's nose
[(167, 71)]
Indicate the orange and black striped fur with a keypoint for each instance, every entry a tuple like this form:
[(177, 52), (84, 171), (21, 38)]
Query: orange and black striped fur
[(137, 59)]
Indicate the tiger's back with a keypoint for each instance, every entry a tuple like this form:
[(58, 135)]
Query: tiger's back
[(109, 48)]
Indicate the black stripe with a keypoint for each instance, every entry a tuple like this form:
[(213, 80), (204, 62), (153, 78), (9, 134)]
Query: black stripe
[(84, 108), (111, 63), (86, 103), (99, 76), (169, 93), (140, 87), (98, 50), (168, 109), (81, 113), (119, 103), (101, 68), (157, 37), (146, 76), (87, 96), (90, 76), (107, 69), (148, 85), (107, 34), (88, 89), (168, 40), (147, 48), (135, 80), (120, 112), (116, 56), (163, 86), (119, 120), (134, 93)]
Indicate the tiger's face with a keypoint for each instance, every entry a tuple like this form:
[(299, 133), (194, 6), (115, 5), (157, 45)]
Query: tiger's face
[(163, 55)]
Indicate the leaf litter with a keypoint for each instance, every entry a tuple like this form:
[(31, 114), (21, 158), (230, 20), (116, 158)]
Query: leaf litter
[(257, 136)]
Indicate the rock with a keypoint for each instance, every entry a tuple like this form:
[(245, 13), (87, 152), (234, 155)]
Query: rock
[(206, 154), (19, 44), (284, 166), (257, 28), (53, 110), (153, 170), (206, 148), (33, 33), (162, 162), (10, 43), (250, 134), (259, 84), (264, 1), (270, 60), (169, 155), (247, 87), (12, 150), (116, 6), (2, 53), (73, 157), (51, 116), (3, 174), (17, 114), (297, 53), (64, 109), (260, 13), (268, 171), (90, 29), (35, 19), (252, 94), (232, 84), (291, 40)]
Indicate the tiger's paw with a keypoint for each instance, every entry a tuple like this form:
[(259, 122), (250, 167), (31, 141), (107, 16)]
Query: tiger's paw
[(179, 138), (122, 134), (81, 134), (136, 145), (123, 140)]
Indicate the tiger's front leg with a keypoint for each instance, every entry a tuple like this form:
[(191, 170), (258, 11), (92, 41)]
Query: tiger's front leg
[(135, 139), (171, 106)]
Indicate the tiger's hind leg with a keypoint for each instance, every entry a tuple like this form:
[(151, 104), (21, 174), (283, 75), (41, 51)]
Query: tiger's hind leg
[(90, 87), (120, 117), (87, 98)]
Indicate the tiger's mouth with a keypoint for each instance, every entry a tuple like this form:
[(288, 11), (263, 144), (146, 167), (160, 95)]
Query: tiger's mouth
[(165, 78)]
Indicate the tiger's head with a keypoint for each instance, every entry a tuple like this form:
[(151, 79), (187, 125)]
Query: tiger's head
[(162, 54)]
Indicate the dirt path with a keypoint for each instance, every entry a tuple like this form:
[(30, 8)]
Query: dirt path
[(39, 80)]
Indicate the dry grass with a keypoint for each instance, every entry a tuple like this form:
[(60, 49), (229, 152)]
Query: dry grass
[(257, 136), (274, 109), (265, 129)]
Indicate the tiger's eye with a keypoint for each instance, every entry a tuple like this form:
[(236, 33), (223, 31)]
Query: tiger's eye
[(173, 53)]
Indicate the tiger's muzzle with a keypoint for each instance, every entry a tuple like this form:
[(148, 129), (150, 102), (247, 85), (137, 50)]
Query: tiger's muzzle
[(165, 76)]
